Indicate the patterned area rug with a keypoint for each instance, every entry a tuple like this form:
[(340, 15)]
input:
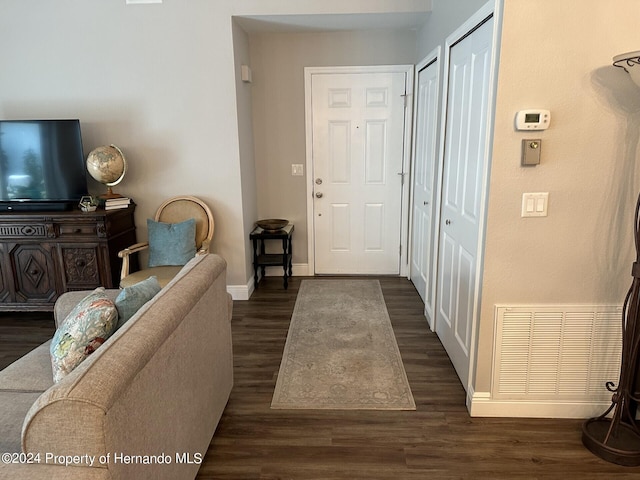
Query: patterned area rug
[(341, 352)]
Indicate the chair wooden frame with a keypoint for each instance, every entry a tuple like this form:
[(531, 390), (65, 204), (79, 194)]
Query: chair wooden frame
[(204, 233)]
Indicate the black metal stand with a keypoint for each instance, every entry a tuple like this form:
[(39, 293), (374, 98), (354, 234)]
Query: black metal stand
[(617, 439)]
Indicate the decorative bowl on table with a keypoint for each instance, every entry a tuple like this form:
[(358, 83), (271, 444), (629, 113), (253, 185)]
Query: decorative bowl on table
[(272, 224)]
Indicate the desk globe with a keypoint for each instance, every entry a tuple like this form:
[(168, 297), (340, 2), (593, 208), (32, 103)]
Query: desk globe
[(107, 165)]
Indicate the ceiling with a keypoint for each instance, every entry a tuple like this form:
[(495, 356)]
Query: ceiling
[(331, 22)]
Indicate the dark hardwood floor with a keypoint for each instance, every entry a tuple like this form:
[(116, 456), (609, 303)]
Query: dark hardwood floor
[(438, 441), (22, 332)]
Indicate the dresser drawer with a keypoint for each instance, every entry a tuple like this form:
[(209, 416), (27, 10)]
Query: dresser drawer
[(24, 231), (72, 230)]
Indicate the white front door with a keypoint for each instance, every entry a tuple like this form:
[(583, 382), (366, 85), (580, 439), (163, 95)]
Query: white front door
[(425, 161), (357, 154), (463, 183)]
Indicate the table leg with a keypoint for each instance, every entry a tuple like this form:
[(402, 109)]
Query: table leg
[(290, 257), (255, 263), (262, 252), (284, 262)]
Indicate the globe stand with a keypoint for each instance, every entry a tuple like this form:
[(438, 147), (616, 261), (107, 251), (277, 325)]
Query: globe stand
[(617, 439), (110, 194)]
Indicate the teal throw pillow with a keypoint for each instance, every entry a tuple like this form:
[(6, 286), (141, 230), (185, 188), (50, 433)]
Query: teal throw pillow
[(171, 243), (86, 327), (132, 298)]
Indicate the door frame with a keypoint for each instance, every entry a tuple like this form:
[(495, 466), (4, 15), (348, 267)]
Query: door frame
[(492, 8), (434, 57), (408, 70)]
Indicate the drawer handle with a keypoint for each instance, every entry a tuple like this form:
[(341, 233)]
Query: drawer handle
[(77, 230), (80, 263)]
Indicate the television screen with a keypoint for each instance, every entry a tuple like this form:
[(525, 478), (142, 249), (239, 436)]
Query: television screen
[(41, 162)]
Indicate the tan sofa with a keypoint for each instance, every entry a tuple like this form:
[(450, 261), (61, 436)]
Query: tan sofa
[(144, 405)]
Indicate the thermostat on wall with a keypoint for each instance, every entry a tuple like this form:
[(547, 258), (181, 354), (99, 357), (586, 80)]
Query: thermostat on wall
[(533, 119)]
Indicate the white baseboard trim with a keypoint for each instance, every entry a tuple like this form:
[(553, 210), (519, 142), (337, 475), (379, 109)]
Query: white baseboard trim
[(243, 292), (482, 405)]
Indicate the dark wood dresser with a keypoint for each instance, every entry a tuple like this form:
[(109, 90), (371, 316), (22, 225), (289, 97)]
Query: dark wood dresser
[(44, 254)]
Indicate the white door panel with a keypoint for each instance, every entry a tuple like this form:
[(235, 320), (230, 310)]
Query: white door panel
[(424, 178), (358, 147), (466, 127)]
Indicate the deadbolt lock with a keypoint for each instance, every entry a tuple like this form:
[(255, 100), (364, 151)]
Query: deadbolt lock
[(318, 181)]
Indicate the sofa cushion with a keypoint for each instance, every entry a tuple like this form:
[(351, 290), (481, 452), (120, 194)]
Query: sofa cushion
[(164, 275), (130, 299), (88, 325), (171, 243), (32, 372), (15, 406)]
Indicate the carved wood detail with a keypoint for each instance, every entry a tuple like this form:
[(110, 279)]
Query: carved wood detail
[(81, 266)]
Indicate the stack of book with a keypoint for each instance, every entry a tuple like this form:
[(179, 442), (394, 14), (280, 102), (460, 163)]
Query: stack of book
[(115, 203)]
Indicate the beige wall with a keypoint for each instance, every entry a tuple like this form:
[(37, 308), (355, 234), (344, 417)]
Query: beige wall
[(160, 82), (245, 142), (326, 7), (278, 61), (557, 56), (156, 80)]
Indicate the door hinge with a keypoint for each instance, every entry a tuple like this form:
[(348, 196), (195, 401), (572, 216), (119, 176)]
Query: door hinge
[(400, 250), (405, 98), (402, 174)]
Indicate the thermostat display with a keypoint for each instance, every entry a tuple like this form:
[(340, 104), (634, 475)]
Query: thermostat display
[(533, 119)]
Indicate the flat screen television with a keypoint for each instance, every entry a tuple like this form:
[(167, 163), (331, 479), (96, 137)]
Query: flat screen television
[(42, 165)]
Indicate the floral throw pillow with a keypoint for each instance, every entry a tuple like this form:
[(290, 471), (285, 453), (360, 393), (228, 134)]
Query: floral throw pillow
[(86, 327)]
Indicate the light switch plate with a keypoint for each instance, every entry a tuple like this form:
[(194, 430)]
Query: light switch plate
[(245, 73), (535, 204), (297, 169)]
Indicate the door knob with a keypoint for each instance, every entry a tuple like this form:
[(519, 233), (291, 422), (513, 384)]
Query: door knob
[(319, 195)]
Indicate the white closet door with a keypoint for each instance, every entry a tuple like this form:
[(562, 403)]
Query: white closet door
[(424, 177), (465, 158)]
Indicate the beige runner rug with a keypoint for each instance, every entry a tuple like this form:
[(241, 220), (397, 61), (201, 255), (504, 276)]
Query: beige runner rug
[(341, 352)]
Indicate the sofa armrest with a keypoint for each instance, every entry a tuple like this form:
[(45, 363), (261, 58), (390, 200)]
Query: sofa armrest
[(67, 301)]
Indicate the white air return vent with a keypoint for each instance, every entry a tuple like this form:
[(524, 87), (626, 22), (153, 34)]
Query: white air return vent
[(559, 352)]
